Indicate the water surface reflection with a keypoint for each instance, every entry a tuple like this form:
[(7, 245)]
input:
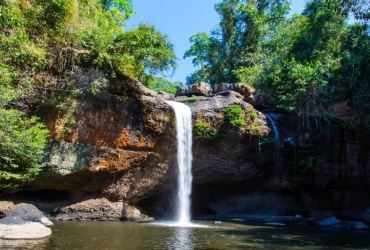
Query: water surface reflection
[(228, 235)]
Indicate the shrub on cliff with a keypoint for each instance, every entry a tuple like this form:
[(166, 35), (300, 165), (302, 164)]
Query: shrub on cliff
[(234, 115), (22, 143)]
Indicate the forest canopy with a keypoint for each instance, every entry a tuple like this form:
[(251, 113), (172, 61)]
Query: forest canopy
[(301, 62)]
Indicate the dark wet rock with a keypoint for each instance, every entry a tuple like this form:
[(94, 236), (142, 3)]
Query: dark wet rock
[(12, 220), (28, 212), (320, 214), (348, 215), (365, 216), (357, 225), (329, 222)]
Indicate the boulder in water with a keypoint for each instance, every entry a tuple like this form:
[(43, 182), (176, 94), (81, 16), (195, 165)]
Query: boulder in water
[(330, 222), (29, 212), (14, 227)]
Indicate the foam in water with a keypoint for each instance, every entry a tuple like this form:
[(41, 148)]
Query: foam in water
[(184, 160)]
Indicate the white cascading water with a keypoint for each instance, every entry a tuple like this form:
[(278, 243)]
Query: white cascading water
[(277, 156), (184, 160)]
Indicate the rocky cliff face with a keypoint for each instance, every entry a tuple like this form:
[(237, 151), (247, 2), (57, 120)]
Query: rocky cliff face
[(120, 153), (119, 150), (118, 159)]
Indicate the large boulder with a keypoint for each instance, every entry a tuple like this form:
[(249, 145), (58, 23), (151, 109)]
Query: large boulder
[(182, 91), (24, 221), (245, 90), (220, 87), (199, 89), (15, 228), (330, 222), (28, 212)]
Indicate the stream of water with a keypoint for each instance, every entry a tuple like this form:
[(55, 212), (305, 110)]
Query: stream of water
[(277, 155), (184, 159)]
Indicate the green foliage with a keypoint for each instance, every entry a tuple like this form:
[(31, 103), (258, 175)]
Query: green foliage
[(267, 141), (97, 85), (22, 143), (299, 62), (359, 8), (38, 35), (252, 113), (307, 163), (146, 50), (234, 51), (191, 99), (234, 115), (205, 131), (161, 84), (301, 58)]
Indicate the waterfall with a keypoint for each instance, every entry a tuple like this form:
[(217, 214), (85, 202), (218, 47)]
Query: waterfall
[(184, 159), (277, 156)]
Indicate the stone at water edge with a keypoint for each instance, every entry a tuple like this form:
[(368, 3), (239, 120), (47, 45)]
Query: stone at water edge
[(14, 227), (29, 212), (131, 213), (329, 222)]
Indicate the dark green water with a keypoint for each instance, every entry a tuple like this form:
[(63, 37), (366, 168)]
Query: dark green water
[(228, 235)]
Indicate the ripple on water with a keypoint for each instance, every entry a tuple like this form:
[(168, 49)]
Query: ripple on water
[(178, 224)]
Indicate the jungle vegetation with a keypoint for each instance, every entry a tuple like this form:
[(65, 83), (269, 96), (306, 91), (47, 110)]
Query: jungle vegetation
[(51, 37), (302, 62)]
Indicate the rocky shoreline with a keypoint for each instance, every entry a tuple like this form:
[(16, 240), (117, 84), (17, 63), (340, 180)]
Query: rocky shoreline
[(23, 222)]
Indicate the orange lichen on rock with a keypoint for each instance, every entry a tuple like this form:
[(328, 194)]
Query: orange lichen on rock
[(144, 143), (125, 140), (119, 162), (122, 141)]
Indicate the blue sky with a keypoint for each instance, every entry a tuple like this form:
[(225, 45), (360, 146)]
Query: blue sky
[(180, 19)]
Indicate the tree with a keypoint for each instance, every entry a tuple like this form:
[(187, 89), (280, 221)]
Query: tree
[(22, 143), (147, 49), (161, 84), (237, 44), (359, 8)]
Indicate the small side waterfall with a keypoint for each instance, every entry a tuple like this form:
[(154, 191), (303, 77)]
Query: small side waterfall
[(277, 155), (184, 160)]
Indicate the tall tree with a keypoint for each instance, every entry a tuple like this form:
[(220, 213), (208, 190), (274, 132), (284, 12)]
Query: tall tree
[(237, 42)]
